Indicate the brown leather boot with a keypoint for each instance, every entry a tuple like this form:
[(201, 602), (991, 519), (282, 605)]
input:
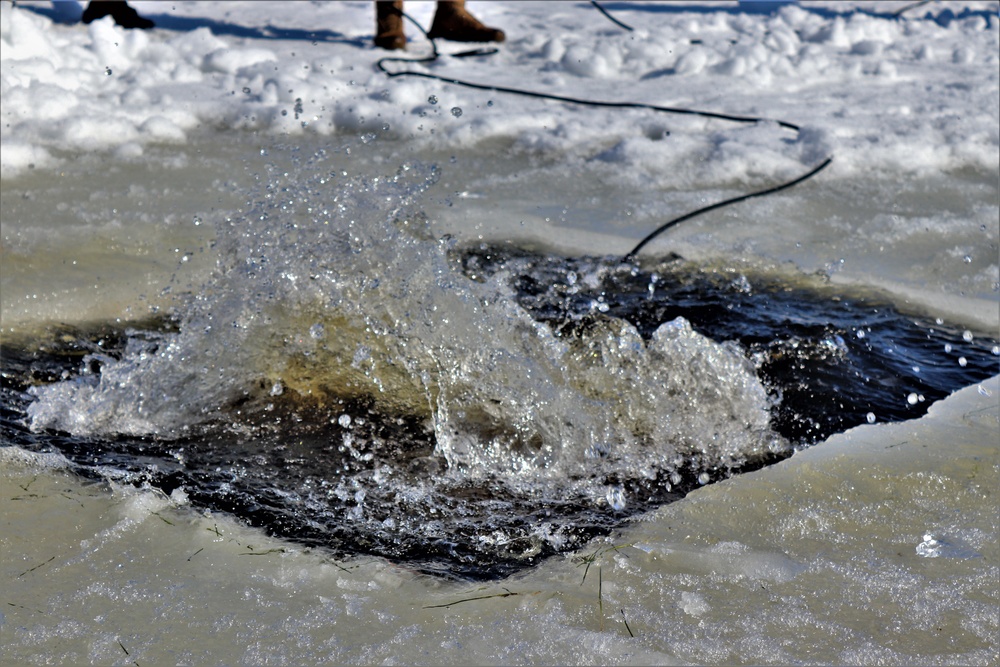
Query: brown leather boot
[(389, 25), (454, 23)]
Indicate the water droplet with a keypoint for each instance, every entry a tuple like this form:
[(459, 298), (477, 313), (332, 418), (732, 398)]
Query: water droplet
[(433, 99), (963, 362), (107, 71), (967, 259), (930, 547), (967, 336), (489, 103), (598, 450), (616, 498), (861, 333), (277, 389), (870, 417), (344, 420), (703, 478), (456, 111), (912, 399), (317, 331), (947, 347), (246, 90)]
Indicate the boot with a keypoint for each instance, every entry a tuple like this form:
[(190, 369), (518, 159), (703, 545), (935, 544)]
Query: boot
[(389, 25), (454, 23), (119, 10)]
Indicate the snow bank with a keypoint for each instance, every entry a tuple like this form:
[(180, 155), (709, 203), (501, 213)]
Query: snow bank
[(910, 94)]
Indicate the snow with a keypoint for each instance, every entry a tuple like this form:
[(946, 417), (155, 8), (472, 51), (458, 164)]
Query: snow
[(915, 94)]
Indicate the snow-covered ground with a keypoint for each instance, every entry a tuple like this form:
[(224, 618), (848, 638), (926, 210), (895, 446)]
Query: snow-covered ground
[(912, 96)]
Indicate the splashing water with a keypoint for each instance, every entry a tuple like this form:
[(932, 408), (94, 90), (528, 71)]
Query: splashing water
[(347, 379), (502, 392)]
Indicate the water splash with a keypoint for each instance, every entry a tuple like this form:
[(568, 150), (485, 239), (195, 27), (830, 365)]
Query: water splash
[(348, 379), (503, 393)]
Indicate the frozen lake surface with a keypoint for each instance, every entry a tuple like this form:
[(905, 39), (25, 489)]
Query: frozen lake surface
[(303, 364)]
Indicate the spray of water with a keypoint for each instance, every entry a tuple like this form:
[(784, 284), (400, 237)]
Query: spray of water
[(331, 288)]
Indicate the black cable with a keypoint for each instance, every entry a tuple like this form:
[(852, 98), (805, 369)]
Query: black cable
[(912, 5), (735, 200), (610, 17), (380, 64), (575, 100)]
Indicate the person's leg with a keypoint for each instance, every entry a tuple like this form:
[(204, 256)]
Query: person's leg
[(119, 10), (453, 22), (389, 25)]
